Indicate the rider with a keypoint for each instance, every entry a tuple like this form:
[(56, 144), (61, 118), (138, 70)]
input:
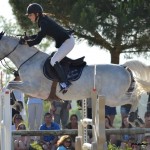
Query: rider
[(63, 38)]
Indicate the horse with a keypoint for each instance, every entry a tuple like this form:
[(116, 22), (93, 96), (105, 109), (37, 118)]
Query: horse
[(110, 80)]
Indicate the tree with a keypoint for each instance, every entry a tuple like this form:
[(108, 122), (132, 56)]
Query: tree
[(119, 26)]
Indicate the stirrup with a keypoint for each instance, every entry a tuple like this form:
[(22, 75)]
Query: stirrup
[(64, 86)]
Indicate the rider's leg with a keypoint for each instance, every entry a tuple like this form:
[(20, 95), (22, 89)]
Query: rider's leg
[(62, 76), (65, 48)]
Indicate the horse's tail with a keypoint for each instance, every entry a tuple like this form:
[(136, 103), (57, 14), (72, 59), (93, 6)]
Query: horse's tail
[(141, 73)]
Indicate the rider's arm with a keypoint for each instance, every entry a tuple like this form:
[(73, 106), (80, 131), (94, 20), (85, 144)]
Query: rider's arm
[(41, 34)]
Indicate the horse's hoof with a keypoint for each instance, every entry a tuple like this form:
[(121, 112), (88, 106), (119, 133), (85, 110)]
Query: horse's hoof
[(132, 116), (135, 120)]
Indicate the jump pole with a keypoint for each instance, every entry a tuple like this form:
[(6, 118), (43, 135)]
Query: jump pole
[(5, 120), (98, 118), (97, 122)]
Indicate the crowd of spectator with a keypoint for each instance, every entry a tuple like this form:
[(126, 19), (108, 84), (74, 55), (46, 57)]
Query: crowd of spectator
[(51, 142)]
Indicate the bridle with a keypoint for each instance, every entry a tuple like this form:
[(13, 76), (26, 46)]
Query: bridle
[(7, 56), (1, 34), (10, 52)]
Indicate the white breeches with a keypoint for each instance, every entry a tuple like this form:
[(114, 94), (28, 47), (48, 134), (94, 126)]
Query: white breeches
[(63, 50)]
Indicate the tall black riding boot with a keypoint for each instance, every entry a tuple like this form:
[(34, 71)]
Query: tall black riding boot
[(64, 83)]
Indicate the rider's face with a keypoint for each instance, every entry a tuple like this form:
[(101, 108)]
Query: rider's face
[(32, 17)]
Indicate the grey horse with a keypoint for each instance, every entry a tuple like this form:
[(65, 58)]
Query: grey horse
[(109, 80)]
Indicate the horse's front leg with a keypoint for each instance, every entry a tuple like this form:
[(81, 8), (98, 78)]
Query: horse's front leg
[(33, 89), (22, 86)]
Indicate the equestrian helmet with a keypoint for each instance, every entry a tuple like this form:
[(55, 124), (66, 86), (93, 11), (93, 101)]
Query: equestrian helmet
[(34, 8)]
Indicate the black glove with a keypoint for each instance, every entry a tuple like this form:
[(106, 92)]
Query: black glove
[(22, 41), (26, 38)]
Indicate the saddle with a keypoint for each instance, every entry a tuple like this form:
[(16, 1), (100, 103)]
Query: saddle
[(72, 68)]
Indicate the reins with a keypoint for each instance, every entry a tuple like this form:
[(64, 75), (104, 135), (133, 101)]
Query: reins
[(11, 51), (27, 60), (7, 66)]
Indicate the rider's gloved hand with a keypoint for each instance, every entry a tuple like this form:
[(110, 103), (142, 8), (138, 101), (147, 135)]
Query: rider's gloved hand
[(26, 38), (22, 41)]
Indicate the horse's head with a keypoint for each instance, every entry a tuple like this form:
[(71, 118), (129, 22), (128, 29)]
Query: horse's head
[(16, 52), (7, 45), (1, 34)]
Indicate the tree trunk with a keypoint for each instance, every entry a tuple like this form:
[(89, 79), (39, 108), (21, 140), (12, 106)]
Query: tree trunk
[(114, 57)]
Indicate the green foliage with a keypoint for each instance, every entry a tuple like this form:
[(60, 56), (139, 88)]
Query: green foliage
[(85, 14), (8, 26), (114, 147), (118, 26), (46, 106)]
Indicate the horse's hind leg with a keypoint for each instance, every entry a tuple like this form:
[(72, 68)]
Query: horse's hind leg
[(133, 117), (135, 120)]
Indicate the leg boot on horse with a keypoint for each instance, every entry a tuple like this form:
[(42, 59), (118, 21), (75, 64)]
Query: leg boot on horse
[(135, 120)]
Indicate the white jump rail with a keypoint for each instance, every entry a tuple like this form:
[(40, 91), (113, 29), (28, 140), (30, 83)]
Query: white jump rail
[(5, 120), (98, 126)]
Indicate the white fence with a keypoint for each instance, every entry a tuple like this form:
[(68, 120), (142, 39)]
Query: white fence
[(5, 120), (98, 124)]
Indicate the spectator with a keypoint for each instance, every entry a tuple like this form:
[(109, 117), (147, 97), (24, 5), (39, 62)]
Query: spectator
[(108, 123), (130, 144), (64, 143), (60, 110), (73, 124), (110, 112), (146, 141), (110, 138), (146, 125), (17, 119), (125, 109), (125, 124), (35, 112), (15, 111), (148, 102), (19, 96), (22, 142), (49, 141), (147, 119)]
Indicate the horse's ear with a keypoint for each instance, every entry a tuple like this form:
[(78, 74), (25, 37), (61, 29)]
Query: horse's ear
[(1, 34)]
